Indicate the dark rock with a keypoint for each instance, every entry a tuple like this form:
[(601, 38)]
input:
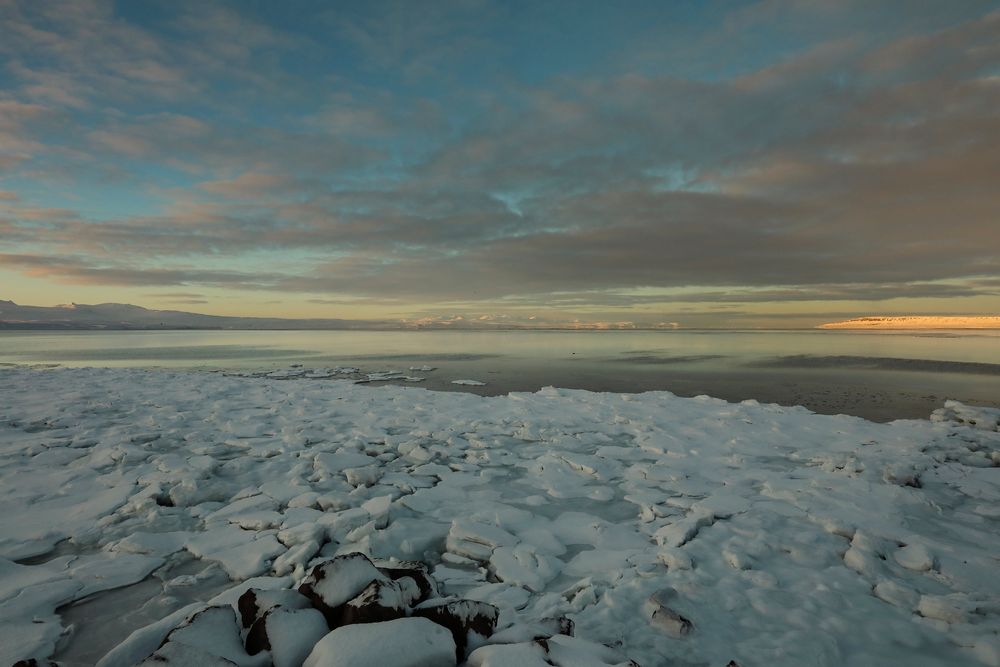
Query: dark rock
[(331, 584), (256, 602), (257, 639), (32, 662), (416, 571), (247, 604), (381, 601), (288, 633), (462, 617)]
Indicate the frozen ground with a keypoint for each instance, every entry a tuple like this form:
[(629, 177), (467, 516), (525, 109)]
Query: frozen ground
[(763, 534)]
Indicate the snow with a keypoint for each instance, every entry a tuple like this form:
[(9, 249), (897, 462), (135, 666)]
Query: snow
[(687, 531), (292, 633), (342, 578), (405, 642)]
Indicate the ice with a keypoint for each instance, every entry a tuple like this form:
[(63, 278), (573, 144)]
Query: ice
[(469, 383), (406, 642), (144, 641), (914, 557), (783, 537), (523, 565), (99, 573), (476, 540), (242, 553), (566, 651), (153, 544), (58, 510)]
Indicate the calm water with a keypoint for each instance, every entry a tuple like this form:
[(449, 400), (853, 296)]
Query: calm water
[(875, 375)]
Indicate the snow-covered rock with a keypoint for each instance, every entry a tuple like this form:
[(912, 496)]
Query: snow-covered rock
[(470, 621), (331, 584), (287, 634), (405, 642)]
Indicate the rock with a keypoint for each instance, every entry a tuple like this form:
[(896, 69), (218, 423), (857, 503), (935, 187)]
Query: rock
[(173, 654), (414, 570), (33, 662), (289, 634), (380, 601), (902, 475), (525, 654), (331, 584), (255, 602), (213, 630), (404, 642), (559, 650), (461, 617)]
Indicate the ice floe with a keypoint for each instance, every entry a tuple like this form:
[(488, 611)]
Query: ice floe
[(666, 530)]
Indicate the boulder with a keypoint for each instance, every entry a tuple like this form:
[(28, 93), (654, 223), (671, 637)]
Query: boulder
[(404, 642), (289, 634), (463, 618), (213, 630), (256, 602), (414, 570), (558, 650), (333, 583), (174, 654), (380, 601)]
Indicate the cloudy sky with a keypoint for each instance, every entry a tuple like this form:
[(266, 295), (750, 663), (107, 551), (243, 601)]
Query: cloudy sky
[(770, 163)]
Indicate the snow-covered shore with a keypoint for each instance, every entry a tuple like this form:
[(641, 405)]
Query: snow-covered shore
[(784, 537)]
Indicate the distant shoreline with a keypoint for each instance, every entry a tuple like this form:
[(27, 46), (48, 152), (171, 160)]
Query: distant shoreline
[(915, 322)]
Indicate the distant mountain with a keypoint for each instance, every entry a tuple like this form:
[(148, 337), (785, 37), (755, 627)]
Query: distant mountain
[(918, 322), (126, 316), (116, 316)]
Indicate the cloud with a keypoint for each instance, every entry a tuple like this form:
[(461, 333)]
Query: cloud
[(860, 166)]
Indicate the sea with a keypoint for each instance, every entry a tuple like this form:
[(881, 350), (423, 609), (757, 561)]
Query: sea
[(878, 375)]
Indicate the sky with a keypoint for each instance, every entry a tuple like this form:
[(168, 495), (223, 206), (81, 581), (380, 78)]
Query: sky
[(669, 163)]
